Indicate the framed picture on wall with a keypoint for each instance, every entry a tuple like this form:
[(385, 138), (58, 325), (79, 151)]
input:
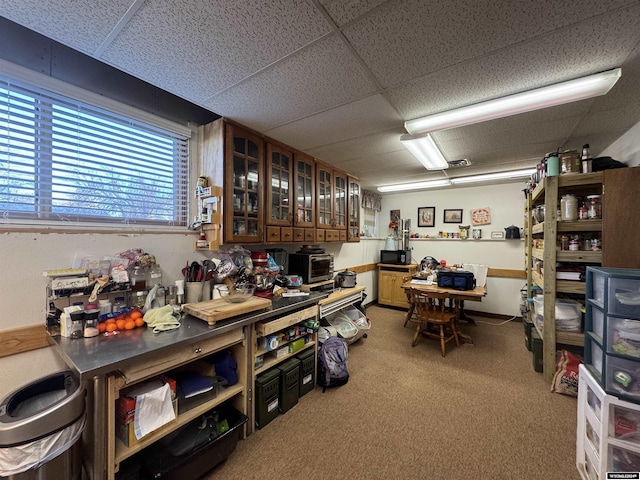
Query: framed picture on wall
[(453, 215), (426, 216)]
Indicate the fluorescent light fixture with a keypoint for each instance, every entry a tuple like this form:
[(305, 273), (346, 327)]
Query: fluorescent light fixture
[(552, 95), (425, 150), (414, 186), (494, 176)]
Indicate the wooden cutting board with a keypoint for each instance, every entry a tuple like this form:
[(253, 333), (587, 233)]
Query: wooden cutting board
[(212, 311)]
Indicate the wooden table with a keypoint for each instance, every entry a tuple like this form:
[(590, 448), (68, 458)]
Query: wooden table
[(457, 296)]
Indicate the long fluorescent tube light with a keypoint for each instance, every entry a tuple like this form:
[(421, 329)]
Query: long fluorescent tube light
[(552, 95), (414, 186), (425, 150), (494, 176)]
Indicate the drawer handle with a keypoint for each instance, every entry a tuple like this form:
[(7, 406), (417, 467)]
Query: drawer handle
[(197, 350)]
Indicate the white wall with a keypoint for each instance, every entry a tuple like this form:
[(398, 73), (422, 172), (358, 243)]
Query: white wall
[(506, 203), (626, 149)]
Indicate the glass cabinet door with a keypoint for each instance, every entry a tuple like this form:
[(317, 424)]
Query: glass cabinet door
[(279, 189), (304, 190), (340, 202), (243, 202), (324, 179), (353, 204)]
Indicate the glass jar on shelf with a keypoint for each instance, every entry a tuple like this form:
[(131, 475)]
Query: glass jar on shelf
[(138, 278), (569, 208), (594, 206)]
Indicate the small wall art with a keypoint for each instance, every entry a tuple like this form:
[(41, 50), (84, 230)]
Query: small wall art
[(480, 216), (453, 216), (426, 216)]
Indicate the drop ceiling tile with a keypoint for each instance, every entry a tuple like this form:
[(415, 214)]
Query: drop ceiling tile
[(562, 55), (196, 49), (399, 45), (81, 24), (365, 146), (622, 118), (371, 114), (342, 12), (323, 76)]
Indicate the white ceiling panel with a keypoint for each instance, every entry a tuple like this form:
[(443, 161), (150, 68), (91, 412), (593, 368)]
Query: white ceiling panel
[(81, 24), (399, 45), (371, 114), (319, 77), (337, 79)]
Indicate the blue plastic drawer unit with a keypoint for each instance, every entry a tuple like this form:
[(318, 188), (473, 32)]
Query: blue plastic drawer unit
[(612, 339)]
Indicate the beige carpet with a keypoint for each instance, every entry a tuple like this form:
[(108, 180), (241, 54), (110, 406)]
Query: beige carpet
[(407, 413)]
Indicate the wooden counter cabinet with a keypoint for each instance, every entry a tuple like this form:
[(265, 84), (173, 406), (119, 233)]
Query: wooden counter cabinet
[(264, 356), (390, 280), (233, 340)]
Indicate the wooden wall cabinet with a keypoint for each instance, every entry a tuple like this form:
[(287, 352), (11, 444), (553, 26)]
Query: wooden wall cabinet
[(390, 280), (272, 193)]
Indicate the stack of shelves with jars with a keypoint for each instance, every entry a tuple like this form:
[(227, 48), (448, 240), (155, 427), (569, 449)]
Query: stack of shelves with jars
[(264, 357), (545, 237), (233, 341)]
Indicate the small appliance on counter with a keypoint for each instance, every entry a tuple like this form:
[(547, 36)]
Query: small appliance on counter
[(346, 279), (395, 257), (312, 267)]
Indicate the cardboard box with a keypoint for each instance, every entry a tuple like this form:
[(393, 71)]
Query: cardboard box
[(126, 432), (126, 405)]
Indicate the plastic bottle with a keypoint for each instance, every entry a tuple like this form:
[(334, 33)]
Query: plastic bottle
[(155, 276), (104, 306), (593, 202), (119, 304)]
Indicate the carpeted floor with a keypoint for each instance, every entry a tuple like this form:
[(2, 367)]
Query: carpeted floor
[(407, 413)]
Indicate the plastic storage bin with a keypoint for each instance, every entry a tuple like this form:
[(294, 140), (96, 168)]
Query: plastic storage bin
[(622, 378), (623, 337), (267, 390), (567, 312), (160, 463), (307, 371), (593, 357), (289, 384)]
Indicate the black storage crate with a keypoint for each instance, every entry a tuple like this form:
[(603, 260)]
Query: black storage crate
[(289, 384), (528, 326), (159, 463), (307, 371), (536, 347), (267, 391)]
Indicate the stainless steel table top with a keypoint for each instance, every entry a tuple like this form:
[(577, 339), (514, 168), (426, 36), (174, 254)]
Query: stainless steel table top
[(100, 355)]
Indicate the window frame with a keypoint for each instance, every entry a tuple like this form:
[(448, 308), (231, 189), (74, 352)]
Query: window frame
[(40, 81)]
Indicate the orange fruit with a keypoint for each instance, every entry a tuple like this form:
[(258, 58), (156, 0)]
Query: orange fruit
[(111, 327), (102, 327), (139, 321), (110, 320), (121, 322), (130, 325), (135, 314)]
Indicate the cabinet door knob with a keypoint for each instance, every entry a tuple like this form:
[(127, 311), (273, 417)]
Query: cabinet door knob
[(197, 350)]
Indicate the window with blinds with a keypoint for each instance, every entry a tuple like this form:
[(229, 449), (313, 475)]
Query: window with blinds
[(64, 161)]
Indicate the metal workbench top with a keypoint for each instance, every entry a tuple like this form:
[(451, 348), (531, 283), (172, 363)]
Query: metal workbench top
[(100, 355)]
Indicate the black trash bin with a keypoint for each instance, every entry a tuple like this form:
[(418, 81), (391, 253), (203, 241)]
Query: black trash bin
[(41, 428)]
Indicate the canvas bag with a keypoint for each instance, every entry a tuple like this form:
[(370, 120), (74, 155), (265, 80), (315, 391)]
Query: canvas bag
[(332, 363)]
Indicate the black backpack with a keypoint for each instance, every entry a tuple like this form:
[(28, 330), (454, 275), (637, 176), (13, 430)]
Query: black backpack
[(332, 363)]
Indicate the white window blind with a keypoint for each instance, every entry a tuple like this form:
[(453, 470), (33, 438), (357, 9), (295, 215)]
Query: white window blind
[(64, 161)]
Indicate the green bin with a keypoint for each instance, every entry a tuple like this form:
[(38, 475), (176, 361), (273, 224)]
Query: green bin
[(289, 383), (267, 390), (307, 370)]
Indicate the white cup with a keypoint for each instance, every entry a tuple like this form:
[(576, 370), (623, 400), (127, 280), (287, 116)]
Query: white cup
[(193, 289)]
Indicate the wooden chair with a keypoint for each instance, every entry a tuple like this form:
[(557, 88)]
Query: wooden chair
[(435, 321)]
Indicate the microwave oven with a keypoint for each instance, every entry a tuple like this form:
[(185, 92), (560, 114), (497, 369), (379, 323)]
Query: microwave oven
[(395, 257), (312, 267)]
